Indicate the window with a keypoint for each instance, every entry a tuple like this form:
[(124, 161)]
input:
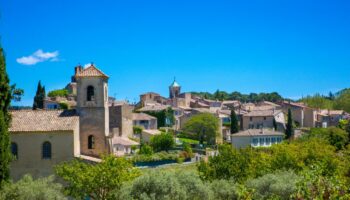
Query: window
[(14, 150), (261, 141), (273, 140), (91, 142), (268, 141), (255, 141), (264, 118), (251, 118), (90, 93), (46, 151)]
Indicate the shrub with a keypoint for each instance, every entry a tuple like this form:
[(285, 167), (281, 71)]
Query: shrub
[(167, 186), (155, 157), (27, 188), (280, 184), (162, 142), (224, 189), (146, 150), (335, 136), (137, 129), (63, 105)]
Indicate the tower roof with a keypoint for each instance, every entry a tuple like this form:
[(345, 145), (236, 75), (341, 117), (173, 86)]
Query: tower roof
[(91, 71), (175, 84)]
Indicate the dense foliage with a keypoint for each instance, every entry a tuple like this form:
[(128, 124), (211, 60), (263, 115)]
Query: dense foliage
[(58, 93), (165, 118), (5, 99), (137, 130), (316, 166), (27, 188), (5, 155), (99, 181), (339, 100), (203, 126), (39, 97), (252, 97), (162, 142), (166, 185)]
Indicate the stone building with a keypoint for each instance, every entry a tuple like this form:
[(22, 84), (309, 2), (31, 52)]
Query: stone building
[(41, 139), (44, 138), (92, 107)]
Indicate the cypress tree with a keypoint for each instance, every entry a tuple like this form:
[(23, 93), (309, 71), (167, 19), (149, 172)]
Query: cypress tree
[(5, 88), (5, 155), (234, 122), (5, 99), (274, 123), (289, 128), (39, 97)]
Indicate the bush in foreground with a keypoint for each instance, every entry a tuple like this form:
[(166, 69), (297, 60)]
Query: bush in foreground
[(27, 188)]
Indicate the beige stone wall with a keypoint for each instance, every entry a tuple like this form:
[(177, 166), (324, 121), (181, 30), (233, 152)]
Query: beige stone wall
[(94, 115), (257, 120), (30, 152)]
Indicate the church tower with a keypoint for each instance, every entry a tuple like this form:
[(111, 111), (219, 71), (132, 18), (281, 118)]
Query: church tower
[(92, 106), (174, 89)]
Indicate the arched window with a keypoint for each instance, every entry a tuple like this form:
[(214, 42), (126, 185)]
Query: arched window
[(90, 93), (91, 142), (46, 151), (14, 150)]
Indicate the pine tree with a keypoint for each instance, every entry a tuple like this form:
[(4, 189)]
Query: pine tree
[(234, 122), (289, 128), (39, 97), (5, 99)]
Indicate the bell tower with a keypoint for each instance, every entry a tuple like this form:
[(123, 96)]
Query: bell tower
[(92, 106), (174, 89)]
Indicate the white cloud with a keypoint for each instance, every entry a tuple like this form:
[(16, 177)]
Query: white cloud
[(38, 56)]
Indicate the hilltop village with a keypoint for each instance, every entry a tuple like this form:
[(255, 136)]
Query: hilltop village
[(87, 123)]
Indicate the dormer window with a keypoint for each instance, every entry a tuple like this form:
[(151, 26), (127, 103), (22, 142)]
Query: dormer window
[(90, 93)]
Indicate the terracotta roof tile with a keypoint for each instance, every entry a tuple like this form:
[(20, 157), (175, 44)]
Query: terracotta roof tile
[(91, 71), (43, 120)]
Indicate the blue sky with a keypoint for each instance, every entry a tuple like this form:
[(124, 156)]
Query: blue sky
[(292, 47)]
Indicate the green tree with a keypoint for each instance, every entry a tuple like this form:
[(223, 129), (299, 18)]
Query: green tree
[(335, 136), (146, 150), (230, 163), (342, 101), (162, 142), (58, 93), (289, 126), (234, 122), (99, 181), (39, 97), (5, 155), (7, 93), (27, 188), (137, 130), (204, 126)]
